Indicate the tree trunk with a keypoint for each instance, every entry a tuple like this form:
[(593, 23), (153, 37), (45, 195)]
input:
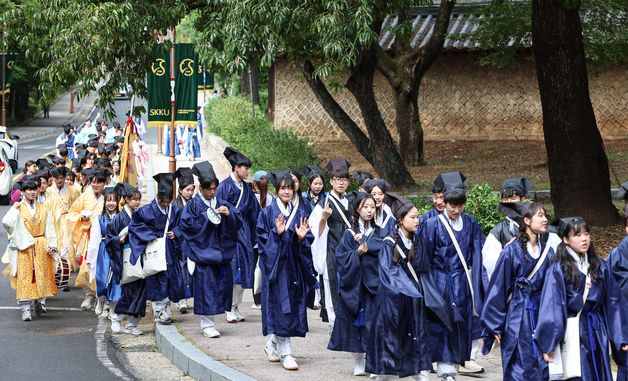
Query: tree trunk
[(578, 166), (246, 85), (378, 147), (409, 128)]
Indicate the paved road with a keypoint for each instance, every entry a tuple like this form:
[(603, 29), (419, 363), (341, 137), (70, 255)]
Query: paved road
[(62, 344)]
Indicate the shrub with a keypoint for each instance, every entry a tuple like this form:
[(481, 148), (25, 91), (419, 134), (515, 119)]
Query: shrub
[(482, 204), (268, 148)]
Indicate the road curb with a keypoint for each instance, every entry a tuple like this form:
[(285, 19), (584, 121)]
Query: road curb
[(191, 360)]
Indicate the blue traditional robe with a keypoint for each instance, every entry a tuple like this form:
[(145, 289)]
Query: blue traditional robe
[(386, 221), (287, 280), (311, 203), (211, 247), (132, 299), (358, 281), (425, 217), (398, 333), (600, 320), (450, 278), (248, 207), (618, 262), (147, 224), (104, 285), (515, 319), (193, 147)]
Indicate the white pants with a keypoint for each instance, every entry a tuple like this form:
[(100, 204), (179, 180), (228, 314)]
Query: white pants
[(282, 344), (130, 320), (329, 304), (238, 292), (446, 368), (207, 321), (475, 345), (423, 376)]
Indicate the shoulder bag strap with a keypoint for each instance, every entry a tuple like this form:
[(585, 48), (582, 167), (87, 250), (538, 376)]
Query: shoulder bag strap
[(344, 218), (241, 193), (167, 220), (587, 281), (398, 248), (461, 257)]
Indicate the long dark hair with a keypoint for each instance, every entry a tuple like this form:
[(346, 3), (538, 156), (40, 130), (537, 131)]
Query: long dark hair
[(310, 180), (396, 256), (568, 264), (359, 202), (262, 187), (106, 197), (530, 211)]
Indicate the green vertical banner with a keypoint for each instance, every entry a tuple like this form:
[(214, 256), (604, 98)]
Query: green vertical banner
[(158, 83), (205, 79), (186, 83), (10, 61)]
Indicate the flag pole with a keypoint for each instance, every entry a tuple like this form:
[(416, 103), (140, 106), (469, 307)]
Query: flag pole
[(172, 161)]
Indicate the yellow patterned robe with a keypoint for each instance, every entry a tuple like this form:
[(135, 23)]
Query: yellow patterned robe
[(78, 231), (35, 276), (60, 204)]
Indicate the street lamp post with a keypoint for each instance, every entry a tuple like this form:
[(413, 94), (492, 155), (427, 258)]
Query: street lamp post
[(172, 161)]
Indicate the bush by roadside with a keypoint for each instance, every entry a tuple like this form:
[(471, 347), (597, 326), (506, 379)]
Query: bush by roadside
[(256, 137)]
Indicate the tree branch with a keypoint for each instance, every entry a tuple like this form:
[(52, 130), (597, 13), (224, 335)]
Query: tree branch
[(435, 44)]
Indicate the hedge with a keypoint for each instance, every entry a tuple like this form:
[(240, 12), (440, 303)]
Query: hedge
[(255, 137)]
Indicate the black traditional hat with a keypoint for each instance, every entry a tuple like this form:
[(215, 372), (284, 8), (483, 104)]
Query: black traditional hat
[(165, 183), (519, 186), (398, 204), (92, 143), (453, 179), (566, 223), (623, 191), (514, 210), (109, 190), (310, 171), (361, 176), (338, 164), (297, 172), (372, 183), (58, 171), (236, 158), (63, 149), (103, 162), (184, 177), (124, 189), (43, 174), (58, 161), (101, 174), (204, 171), (275, 177), (43, 164)]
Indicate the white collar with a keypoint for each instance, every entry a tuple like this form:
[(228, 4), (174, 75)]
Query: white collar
[(456, 224), (582, 262), (343, 201), (407, 242), (128, 210), (363, 228), (211, 203), (235, 179), (284, 209), (534, 254)]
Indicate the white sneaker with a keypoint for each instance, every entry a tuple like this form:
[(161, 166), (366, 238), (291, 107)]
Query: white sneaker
[(115, 326), (231, 317), (99, 307), (26, 315), (449, 378), (359, 369), (134, 331), (290, 363), (211, 332), (88, 302), (256, 306), (183, 306), (271, 353), (163, 318), (471, 367), (238, 315), (105, 310)]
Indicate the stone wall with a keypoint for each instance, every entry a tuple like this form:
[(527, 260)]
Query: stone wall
[(459, 100)]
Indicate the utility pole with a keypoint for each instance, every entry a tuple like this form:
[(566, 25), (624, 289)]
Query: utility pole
[(172, 161)]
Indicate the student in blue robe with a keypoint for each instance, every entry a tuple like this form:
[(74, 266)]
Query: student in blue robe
[(186, 188), (512, 302), (438, 187), (209, 230), (577, 266), (298, 197), (315, 192), (132, 299), (193, 149), (383, 215), (618, 262), (104, 292), (328, 222), (239, 193), (177, 133), (286, 263), (451, 350), (148, 223), (358, 280), (398, 335)]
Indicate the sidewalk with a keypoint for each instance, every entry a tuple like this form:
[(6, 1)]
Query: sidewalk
[(240, 346), (38, 127)]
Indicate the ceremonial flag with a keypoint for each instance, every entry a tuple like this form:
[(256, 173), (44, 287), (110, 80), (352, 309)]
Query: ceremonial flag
[(158, 83), (10, 61), (205, 79), (128, 170), (185, 89)]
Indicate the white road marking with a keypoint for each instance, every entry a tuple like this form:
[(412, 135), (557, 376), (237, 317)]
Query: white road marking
[(47, 308), (101, 351)]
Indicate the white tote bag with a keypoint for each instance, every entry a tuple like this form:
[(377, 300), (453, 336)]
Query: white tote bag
[(567, 352), (155, 254), (130, 273)]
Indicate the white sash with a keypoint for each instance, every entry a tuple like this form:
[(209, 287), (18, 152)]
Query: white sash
[(467, 270), (344, 218), (536, 268), (410, 268)]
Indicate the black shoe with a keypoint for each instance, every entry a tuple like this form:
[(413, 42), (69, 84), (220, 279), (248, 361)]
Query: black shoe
[(38, 308)]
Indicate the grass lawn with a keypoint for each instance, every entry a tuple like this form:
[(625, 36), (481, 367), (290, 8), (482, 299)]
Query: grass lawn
[(491, 162)]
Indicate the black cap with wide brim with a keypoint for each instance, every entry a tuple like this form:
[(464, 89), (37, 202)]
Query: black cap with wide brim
[(449, 180), (204, 171), (165, 184), (59, 171), (310, 171), (514, 210), (519, 185), (275, 177), (370, 184), (565, 224), (43, 164), (103, 162), (62, 148), (236, 158), (338, 164), (88, 172), (124, 189), (398, 204), (361, 176), (184, 177)]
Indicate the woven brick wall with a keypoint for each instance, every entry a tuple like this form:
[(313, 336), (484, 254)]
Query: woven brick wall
[(459, 100)]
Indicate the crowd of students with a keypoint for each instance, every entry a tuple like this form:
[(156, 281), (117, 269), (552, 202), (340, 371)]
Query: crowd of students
[(404, 293)]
